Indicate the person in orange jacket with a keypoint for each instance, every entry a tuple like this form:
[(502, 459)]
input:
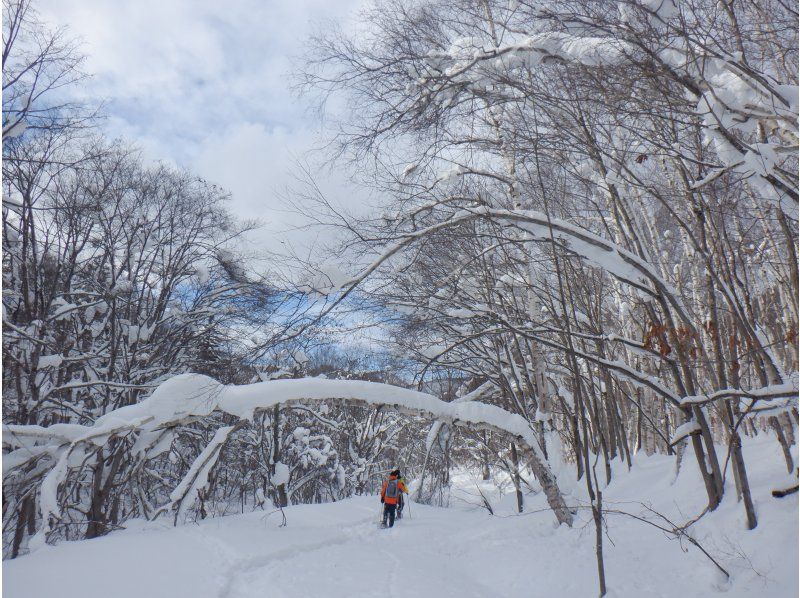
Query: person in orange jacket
[(390, 496)]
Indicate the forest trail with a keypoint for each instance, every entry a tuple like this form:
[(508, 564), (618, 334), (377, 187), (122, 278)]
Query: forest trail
[(337, 550), (327, 550)]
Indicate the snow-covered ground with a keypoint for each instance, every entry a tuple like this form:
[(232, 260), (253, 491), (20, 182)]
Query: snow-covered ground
[(336, 550)]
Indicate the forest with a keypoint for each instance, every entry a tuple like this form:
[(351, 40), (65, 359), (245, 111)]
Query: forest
[(581, 259)]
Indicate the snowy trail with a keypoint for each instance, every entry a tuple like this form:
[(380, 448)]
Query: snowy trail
[(331, 550), (336, 550), (244, 574), (405, 560)]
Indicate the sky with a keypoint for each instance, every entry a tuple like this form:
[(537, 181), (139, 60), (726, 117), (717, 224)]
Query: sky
[(204, 84)]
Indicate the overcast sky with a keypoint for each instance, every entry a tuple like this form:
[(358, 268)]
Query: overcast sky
[(203, 84)]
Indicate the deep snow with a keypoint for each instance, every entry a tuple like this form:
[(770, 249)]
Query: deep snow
[(336, 550)]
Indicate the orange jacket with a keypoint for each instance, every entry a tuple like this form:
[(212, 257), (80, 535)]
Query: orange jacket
[(400, 486)]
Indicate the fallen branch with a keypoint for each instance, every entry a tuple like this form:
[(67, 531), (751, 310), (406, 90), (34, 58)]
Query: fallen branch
[(785, 491)]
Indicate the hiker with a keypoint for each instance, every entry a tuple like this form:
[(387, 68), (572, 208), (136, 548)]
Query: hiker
[(401, 501), (391, 491)]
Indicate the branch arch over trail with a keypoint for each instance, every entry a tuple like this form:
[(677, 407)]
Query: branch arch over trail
[(190, 397)]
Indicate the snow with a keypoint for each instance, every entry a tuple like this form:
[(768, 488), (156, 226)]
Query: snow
[(451, 175), (139, 333), (64, 311), (335, 549), (664, 9), (48, 495), (462, 313), (433, 351), (281, 474), (50, 361), (195, 395), (174, 399), (196, 478), (534, 49), (588, 51), (409, 170), (684, 430), (788, 389)]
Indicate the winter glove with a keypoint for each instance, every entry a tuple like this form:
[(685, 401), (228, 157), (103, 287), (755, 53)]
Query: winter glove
[(382, 501)]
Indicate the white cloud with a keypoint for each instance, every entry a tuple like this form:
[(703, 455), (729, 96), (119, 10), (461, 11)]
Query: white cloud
[(253, 164), (259, 166), (203, 84)]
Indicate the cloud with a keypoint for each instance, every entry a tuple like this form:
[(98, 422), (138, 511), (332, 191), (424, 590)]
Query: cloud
[(259, 166), (253, 163), (203, 84)]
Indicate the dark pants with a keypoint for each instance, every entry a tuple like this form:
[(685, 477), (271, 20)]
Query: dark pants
[(400, 505), (388, 511)]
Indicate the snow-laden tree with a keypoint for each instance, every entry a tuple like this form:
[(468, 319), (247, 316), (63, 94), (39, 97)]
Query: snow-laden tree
[(49, 459), (630, 167), (38, 63), (111, 284), (588, 247), (115, 275)]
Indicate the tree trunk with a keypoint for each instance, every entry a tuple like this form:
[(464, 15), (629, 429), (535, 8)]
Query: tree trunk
[(740, 473), (485, 473), (22, 521), (597, 510), (281, 498), (787, 453), (515, 476)]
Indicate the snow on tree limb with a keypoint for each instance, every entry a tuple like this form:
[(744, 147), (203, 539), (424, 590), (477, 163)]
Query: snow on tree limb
[(245, 401), (188, 397), (48, 499), (598, 251), (767, 393), (684, 430), (196, 479), (483, 389)]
